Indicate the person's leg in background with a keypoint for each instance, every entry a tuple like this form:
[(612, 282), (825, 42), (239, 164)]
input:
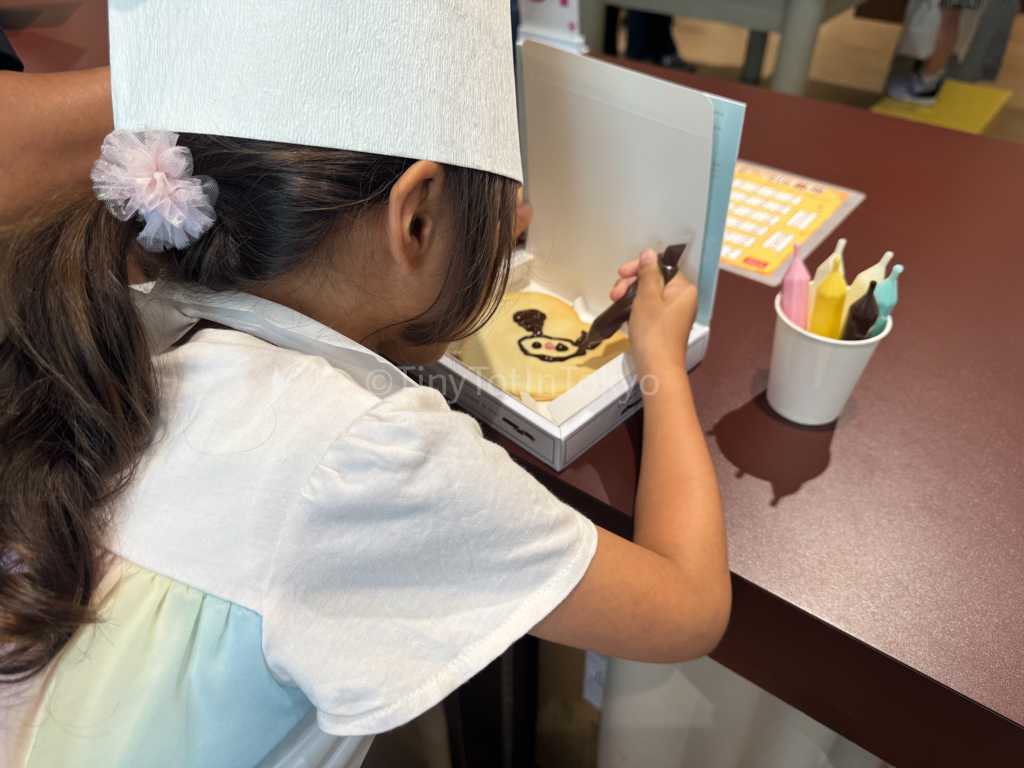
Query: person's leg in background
[(949, 25), (923, 85), (650, 39), (636, 41)]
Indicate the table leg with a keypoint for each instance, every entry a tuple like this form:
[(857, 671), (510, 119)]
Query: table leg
[(799, 34), (492, 718), (754, 60), (592, 22)]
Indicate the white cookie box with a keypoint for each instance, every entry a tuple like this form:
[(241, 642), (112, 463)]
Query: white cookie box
[(614, 396)]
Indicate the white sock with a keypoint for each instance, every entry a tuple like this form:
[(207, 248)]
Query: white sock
[(932, 80)]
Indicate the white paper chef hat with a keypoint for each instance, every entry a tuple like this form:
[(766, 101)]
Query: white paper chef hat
[(425, 79)]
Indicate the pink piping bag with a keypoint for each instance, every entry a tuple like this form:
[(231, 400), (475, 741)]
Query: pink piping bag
[(796, 290)]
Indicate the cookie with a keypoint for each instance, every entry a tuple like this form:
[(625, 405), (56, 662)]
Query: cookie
[(531, 345)]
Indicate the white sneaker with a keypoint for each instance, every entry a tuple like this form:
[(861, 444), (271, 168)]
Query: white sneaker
[(914, 90)]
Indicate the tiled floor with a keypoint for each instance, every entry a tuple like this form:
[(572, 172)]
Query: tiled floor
[(850, 63)]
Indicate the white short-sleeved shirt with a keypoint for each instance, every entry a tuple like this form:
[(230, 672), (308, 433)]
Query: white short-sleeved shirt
[(308, 530)]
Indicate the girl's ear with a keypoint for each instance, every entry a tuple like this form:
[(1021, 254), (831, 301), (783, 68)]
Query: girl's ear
[(414, 208)]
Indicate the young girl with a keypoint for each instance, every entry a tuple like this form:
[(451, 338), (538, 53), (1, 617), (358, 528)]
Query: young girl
[(225, 515)]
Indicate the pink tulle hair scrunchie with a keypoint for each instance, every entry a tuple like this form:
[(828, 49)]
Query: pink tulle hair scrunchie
[(146, 174)]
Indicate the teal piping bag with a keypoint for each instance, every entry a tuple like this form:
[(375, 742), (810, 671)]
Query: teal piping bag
[(886, 295)]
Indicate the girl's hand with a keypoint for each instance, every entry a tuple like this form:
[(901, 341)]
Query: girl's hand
[(659, 326)]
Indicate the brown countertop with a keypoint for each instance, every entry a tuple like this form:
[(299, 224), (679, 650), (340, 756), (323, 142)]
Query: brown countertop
[(879, 563)]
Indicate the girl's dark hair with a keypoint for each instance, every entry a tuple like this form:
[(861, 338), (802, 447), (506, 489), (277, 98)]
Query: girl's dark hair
[(78, 397)]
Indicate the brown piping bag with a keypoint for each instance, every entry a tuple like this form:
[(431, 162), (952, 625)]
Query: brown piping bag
[(609, 321)]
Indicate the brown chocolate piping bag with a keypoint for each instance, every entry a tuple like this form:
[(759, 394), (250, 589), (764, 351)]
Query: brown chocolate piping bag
[(609, 321)]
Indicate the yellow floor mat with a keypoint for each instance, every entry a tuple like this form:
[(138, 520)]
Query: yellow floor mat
[(961, 106)]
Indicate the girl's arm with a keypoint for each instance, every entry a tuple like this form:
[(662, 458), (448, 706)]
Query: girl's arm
[(51, 130), (665, 596)]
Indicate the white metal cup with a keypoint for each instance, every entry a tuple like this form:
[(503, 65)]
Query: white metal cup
[(811, 377)]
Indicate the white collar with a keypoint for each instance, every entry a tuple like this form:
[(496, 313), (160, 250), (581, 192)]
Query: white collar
[(169, 312)]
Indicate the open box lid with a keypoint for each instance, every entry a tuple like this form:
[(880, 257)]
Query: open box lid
[(616, 161)]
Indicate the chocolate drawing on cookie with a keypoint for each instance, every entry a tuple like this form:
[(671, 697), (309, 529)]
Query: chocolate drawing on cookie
[(532, 320), (550, 349), (520, 353)]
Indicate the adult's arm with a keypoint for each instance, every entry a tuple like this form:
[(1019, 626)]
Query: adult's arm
[(51, 129)]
